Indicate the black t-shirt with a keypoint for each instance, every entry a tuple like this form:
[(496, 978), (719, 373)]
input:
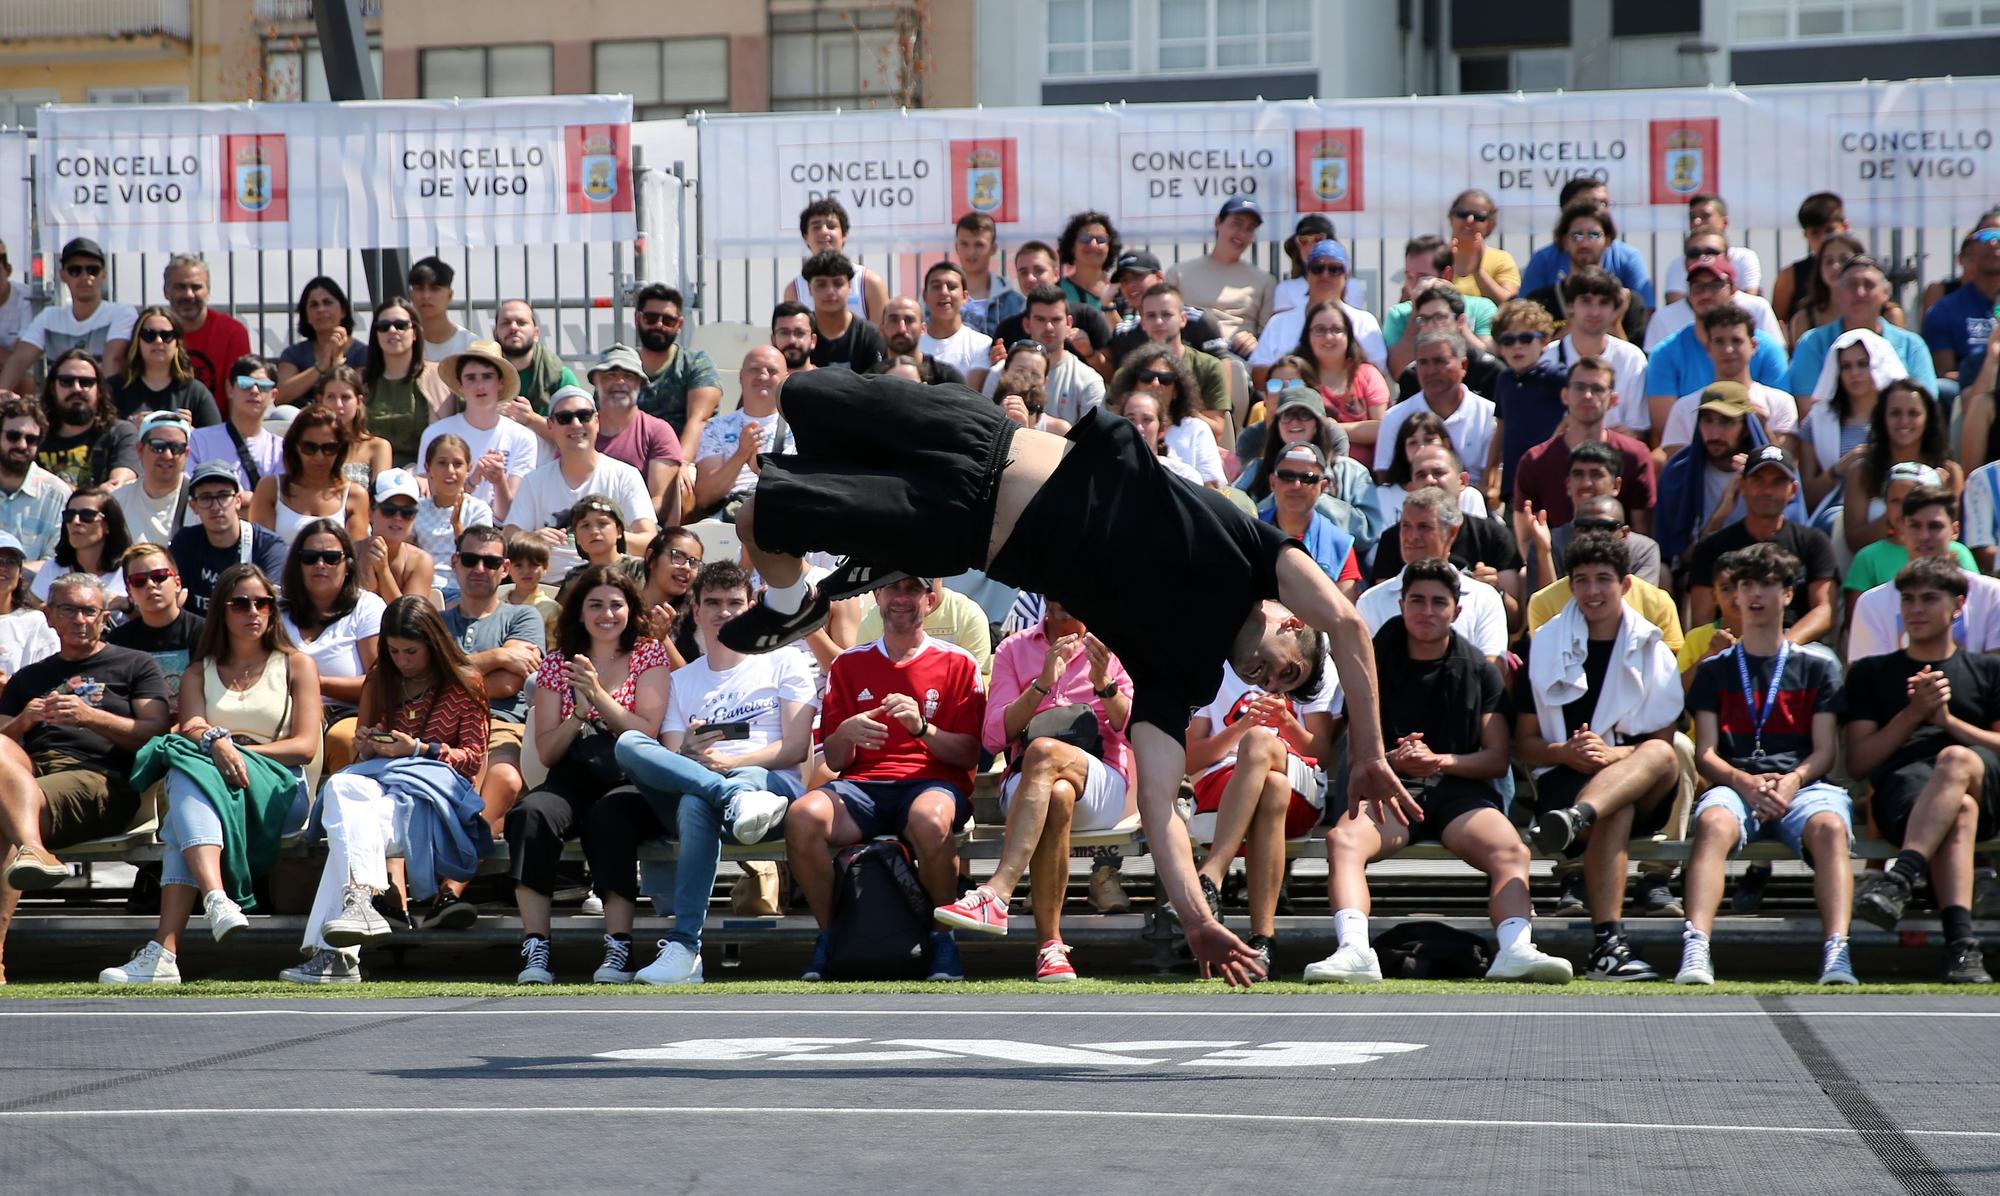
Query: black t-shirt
[(87, 458), (1597, 659), (1877, 690), (192, 396), (200, 562), (1199, 332), (1810, 545), (1144, 531), (1447, 699), (171, 646), (857, 349), (1090, 319), (1811, 685), (1481, 541), (1482, 376), (122, 676)]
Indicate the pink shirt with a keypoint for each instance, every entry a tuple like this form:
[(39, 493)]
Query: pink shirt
[(647, 438), (1017, 664)]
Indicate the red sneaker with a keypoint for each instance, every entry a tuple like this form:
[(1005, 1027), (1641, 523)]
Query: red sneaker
[(1052, 964), (978, 911)]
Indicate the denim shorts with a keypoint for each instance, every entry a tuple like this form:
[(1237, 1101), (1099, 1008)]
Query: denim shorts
[(1790, 827)]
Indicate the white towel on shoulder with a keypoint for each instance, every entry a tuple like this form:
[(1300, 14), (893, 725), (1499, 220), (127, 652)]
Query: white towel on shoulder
[(1642, 686)]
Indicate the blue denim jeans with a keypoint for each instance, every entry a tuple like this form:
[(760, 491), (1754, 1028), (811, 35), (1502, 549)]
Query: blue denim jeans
[(700, 799), (192, 822)]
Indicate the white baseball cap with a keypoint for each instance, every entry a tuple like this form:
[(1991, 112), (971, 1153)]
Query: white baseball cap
[(391, 482)]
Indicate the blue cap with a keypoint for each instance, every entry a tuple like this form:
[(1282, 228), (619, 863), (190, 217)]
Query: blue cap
[(9, 542), (1240, 203), (1328, 250)]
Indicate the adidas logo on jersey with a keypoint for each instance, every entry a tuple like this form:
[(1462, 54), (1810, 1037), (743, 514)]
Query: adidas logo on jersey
[(866, 695)]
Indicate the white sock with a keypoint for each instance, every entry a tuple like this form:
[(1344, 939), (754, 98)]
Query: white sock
[(787, 600), (1350, 927), (1512, 931), (1692, 932)]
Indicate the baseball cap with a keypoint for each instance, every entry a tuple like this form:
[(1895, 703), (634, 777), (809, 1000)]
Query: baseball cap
[(1718, 266), (1240, 203), (1314, 225), (1308, 454), (1913, 471), (81, 247), (1771, 455), (164, 419), (1727, 398), (9, 542), (215, 471), (1296, 396), (1328, 251), (617, 357), (1138, 260), (391, 482)]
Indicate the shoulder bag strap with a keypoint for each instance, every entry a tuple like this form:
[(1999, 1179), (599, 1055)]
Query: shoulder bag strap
[(180, 507), (243, 456)]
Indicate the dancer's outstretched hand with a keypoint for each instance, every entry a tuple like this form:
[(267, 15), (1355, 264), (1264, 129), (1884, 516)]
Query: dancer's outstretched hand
[(1221, 953), (1375, 783)]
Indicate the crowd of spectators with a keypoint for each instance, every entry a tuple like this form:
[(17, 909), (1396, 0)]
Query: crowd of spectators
[(1709, 560)]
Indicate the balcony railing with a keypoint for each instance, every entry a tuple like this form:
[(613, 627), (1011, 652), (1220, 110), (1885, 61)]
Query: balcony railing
[(302, 10), (24, 19)]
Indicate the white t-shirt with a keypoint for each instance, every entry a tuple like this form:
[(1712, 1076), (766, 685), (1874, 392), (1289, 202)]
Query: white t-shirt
[(1628, 361), (1281, 336), (749, 693), (113, 582), (1482, 617), (509, 439), (1293, 292), (25, 637), (545, 499), (721, 436), (1742, 259), (964, 350), (15, 312), (1981, 519), (1877, 627), (336, 650), (459, 341), (1779, 409), (1389, 500), (1470, 428), (150, 518), (1071, 389), (56, 330), (1677, 315), (1234, 690), (1193, 441)]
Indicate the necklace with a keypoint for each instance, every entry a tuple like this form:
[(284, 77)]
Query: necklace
[(241, 678)]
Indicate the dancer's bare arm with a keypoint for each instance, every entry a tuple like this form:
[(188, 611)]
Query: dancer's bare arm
[(1162, 763)]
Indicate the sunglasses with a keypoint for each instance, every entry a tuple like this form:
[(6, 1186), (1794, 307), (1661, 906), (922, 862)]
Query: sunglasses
[(1469, 215), (1093, 239), (257, 384), (318, 448), (398, 510), (1510, 339), (1596, 525), (75, 382), (24, 438), (394, 325), (1153, 378), (474, 560), (1274, 385), (1297, 479), (83, 271), (660, 319), (320, 556), (151, 577), (1326, 268), (575, 415), (154, 336), (244, 603), (82, 515), (172, 448), (1984, 235)]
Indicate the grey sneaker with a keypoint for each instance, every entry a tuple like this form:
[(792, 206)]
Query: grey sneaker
[(327, 966), (225, 917), (357, 924), (1836, 965), (753, 813), (617, 965), (1696, 966), (535, 962)]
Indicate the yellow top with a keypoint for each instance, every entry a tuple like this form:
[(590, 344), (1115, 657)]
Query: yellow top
[(1697, 647), (1499, 265), (1652, 602), (957, 620)]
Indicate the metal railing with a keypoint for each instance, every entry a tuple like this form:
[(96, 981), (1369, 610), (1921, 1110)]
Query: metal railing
[(21, 20), (302, 10)]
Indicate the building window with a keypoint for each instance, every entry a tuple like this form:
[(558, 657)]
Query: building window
[(1090, 37), (1960, 14), (666, 78), (845, 58), (294, 69), (475, 72), (1784, 20), (20, 107), (1197, 35), (136, 95)]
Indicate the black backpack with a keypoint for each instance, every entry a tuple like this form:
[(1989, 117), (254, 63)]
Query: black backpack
[(1432, 951), (881, 928)]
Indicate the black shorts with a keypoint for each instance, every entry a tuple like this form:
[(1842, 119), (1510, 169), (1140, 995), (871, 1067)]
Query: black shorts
[(888, 471), (1559, 787), (1896, 794), (1444, 801)]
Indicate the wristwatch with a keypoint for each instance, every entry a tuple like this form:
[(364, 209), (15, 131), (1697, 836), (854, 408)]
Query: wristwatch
[(1107, 693)]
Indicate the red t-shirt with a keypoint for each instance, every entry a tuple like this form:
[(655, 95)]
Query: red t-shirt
[(213, 348), (943, 678), (1543, 475)]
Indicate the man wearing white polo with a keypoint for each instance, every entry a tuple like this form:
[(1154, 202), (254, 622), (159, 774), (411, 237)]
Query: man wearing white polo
[(543, 503)]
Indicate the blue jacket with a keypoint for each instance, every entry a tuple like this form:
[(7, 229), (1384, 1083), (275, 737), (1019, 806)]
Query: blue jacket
[(438, 818), (1678, 517)]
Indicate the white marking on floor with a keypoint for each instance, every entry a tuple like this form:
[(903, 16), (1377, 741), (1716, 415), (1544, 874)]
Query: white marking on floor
[(930, 1114), (822, 1011), (1110, 1054)]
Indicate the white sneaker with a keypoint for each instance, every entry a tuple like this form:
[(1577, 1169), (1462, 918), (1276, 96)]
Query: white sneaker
[(327, 966), (755, 812), (225, 917), (1530, 964), (1353, 964), (676, 965), (153, 964), (592, 907), (357, 924), (535, 962), (617, 965), (1696, 967)]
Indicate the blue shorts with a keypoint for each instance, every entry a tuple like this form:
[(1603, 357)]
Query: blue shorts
[(883, 807), (1790, 828)]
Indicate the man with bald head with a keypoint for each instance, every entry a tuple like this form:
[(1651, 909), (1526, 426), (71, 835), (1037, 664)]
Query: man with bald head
[(725, 465), (903, 329)]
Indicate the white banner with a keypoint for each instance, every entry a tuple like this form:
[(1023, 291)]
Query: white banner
[(1898, 153), (16, 199), (216, 177)]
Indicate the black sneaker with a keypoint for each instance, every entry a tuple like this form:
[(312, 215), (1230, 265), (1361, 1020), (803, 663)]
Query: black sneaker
[(856, 577), (1963, 963), (1656, 900), (1570, 901), (1210, 894), (1260, 945), (1748, 896), (394, 912), (1614, 959), (1985, 894), (1554, 831), (449, 912), (1879, 898), (761, 629)]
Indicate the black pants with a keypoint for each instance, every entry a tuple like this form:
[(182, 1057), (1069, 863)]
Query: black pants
[(543, 820), (612, 831)]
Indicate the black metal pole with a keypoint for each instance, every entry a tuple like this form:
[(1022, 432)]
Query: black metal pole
[(350, 75)]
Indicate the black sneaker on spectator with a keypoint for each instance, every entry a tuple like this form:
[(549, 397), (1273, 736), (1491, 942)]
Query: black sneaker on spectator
[(1656, 900), (1985, 894), (449, 911), (1748, 895), (1260, 946), (535, 961), (1556, 830), (617, 965), (1570, 896), (822, 947), (1614, 959), (761, 629), (1963, 963), (394, 912), (1879, 897)]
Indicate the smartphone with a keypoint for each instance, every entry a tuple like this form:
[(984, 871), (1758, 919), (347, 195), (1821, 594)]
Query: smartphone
[(382, 737), (727, 730)]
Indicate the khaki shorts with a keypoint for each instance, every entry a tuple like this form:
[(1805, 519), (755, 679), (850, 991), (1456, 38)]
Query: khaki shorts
[(80, 804), (504, 736)]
